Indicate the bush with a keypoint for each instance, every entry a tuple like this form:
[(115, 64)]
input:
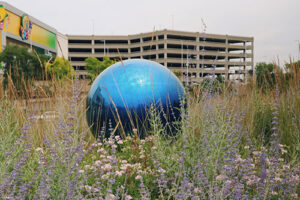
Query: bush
[(265, 75), (60, 68), (21, 66), (94, 67)]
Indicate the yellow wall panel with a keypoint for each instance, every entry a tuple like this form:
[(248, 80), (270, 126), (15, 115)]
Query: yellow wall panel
[(39, 35), (14, 22), (43, 36)]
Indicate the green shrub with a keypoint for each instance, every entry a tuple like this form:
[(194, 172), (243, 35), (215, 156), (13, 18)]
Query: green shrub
[(22, 66), (60, 68), (94, 67)]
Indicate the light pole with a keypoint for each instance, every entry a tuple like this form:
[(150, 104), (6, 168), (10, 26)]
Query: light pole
[(93, 27), (203, 48), (298, 43), (104, 48), (172, 16), (182, 60), (187, 70), (93, 34)]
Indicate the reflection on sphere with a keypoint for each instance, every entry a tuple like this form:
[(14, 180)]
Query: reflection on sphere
[(121, 97)]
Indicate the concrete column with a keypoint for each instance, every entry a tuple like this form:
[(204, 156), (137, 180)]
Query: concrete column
[(252, 57), (197, 54), (226, 59), (156, 47), (252, 52), (93, 47), (244, 59), (129, 49), (3, 40), (141, 47), (165, 50)]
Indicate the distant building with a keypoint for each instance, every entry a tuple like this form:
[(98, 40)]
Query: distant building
[(192, 55), (204, 54), (16, 27)]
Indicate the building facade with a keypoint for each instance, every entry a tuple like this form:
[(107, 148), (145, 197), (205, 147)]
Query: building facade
[(192, 55), (19, 28)]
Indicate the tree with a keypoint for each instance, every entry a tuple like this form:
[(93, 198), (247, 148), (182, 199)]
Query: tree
[(213, 85), (293, 66), (178, 74), (94, 67), (60, 68), (265, 75), (21, 66)]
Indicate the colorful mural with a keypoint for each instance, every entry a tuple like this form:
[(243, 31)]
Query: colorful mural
[(3, 17), (38, 34), (26, 27)]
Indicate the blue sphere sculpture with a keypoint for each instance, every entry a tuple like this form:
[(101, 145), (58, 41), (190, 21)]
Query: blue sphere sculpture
[(121, 97)]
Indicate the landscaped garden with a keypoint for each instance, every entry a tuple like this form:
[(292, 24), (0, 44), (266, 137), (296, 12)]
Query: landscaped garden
[(235, 141)]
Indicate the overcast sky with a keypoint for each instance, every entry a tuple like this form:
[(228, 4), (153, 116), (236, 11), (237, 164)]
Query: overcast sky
[(274, 24)]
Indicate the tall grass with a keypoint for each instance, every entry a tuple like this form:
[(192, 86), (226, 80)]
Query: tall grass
[(240, 142)]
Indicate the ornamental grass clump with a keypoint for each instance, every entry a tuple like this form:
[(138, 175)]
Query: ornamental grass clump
[(228, 145)]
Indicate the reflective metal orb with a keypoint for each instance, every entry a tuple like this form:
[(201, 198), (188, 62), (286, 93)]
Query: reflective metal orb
[(121, 96)]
